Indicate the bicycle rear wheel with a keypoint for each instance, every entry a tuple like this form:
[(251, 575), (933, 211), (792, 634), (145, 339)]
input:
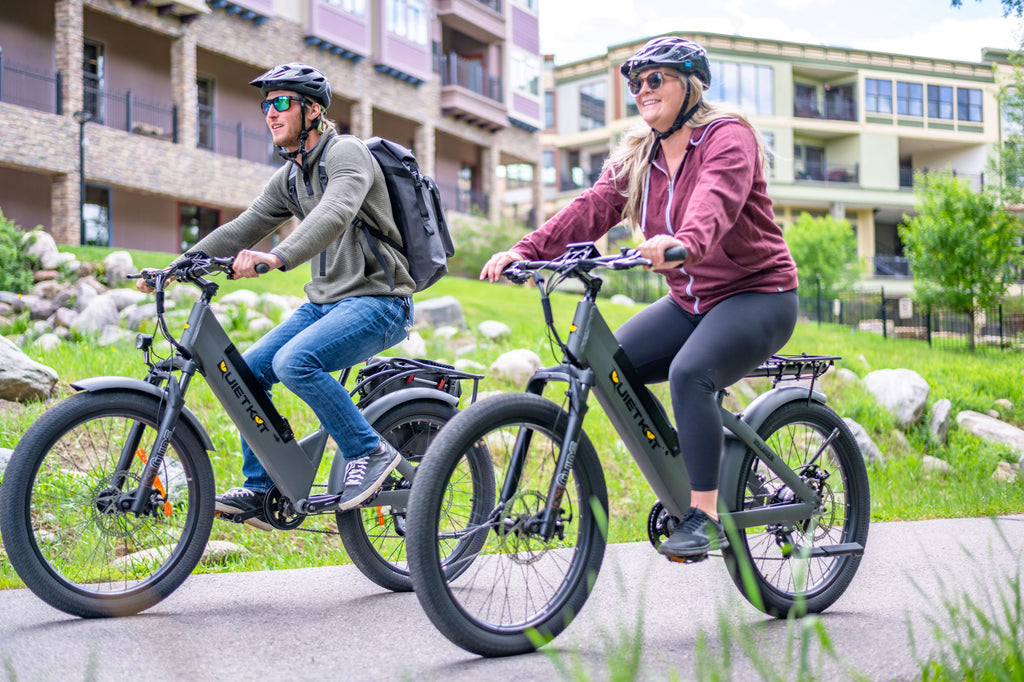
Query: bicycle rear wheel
[(785, 574), (374, 537), (63, 504), (519, 588)]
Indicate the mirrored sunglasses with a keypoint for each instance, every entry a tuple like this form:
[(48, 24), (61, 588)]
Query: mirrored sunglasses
[(281, 103), (654, 81)]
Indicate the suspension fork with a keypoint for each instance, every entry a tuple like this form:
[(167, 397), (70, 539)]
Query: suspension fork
[(131, 444), (175, 401)]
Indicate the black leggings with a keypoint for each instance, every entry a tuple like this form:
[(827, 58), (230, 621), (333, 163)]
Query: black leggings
[(702, 354)]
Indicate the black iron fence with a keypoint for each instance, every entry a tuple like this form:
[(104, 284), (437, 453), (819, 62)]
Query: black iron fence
[(234, 139), (28, 87), (132, 114)]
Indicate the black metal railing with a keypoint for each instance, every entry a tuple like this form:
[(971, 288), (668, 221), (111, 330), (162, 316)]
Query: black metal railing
[(828, 172), (30, 87), (892, 266), (234, 139), (470, 74), (132, 114), (577, 180), (464, 200)]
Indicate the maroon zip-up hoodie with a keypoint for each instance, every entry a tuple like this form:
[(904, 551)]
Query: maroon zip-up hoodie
[(717, 205)]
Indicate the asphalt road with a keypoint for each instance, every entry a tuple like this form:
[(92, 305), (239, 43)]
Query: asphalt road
[(331, 623)]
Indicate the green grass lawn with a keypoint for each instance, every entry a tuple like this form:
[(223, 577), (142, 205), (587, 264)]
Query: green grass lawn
[(900, 489)]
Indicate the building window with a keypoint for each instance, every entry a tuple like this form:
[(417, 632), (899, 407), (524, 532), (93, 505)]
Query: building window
[(356, 7), (549, 109), (592, 99), (748, 86), (809, 162), (968, 104), (92, 79), (877, 96), (769, 148), (940, 101), (525, 72), (204, 113), (548, 173), (528, 4), (408, 19), (96, 216), (196, 223), (805, 101), (909, 99)]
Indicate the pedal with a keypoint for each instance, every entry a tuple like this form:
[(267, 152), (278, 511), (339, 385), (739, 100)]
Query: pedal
[(232, 518), (687, 559)]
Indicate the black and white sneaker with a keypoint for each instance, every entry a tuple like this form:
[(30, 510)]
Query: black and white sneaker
[(245, 505), (694, 537), (365, 475)]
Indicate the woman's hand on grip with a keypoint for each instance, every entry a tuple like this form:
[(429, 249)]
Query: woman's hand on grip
[(654, 250), (494, 267)]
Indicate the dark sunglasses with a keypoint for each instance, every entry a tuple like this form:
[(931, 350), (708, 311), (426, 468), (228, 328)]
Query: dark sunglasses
[(654, 81), (281, 103)]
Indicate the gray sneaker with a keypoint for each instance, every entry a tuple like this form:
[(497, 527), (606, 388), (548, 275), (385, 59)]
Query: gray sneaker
[(365, 475), (242, 505)]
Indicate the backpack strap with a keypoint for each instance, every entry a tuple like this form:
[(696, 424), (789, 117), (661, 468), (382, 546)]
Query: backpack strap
[(321, 170)]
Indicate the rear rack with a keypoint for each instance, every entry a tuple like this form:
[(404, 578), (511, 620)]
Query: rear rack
[(794, 367)]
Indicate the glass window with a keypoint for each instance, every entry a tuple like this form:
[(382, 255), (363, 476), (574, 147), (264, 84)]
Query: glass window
[(592, 99), (547, 173), (525, 72), (96, 216), (356, 7), (747, 86), (528, 4), (968, 104), (92, 79), (408, 19), (877, 96), (204, 113), (940, 101), (196, 223), (909, 99), (549, 109)]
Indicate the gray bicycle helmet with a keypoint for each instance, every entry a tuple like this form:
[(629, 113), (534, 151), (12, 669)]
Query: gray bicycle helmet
[(685, 56), (299, 78)]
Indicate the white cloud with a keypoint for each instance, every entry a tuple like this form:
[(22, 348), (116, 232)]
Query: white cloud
[(959, 40)]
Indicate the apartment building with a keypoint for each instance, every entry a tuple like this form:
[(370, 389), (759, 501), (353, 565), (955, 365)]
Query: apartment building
[(131, 122), (847, 128)]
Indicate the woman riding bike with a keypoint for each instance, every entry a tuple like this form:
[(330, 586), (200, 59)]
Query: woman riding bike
[(691, 176)]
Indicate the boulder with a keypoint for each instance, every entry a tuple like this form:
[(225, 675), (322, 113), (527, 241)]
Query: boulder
[(13, 300), (47, 342), (901, 391), (1004, 473), (124, 297), (243, 297), (118, 265), (934, 465), (868, 449), (847, 376), (435, 312), (494, 330), (21, 377), (991, 429), (414, 346), (101, 312), (940, 419), (5, 458), (622, 299), (43, 246), (516, 365)]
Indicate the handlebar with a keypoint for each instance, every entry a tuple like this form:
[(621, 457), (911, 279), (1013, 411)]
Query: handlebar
[(580, 259)]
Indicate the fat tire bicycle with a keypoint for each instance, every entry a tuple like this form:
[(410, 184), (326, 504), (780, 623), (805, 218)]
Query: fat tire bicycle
[(793, 486), (108, 500)]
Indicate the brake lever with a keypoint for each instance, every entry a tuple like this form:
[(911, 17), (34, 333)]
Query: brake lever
[(516, 274)]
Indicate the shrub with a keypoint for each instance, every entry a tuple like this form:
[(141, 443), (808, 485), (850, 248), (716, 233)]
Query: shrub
[(475, 241), (824, 248), (16, 264)]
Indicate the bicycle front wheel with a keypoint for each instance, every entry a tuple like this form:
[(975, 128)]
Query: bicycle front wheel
[(374, 536), (64, 506), (785, 573), (521, 586)]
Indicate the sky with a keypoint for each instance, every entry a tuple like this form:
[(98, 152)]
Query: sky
[(914, 27)]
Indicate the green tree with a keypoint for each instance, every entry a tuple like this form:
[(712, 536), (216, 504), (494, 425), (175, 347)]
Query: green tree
[(964, 249), (16, 265), (1011, 8), (824, 249)]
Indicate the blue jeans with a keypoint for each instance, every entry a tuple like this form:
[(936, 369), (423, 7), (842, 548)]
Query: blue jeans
[(316, 340)]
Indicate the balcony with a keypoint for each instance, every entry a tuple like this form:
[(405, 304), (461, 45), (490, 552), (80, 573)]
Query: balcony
[(482, 20), (471, 94), (829, 173), (976, 181)]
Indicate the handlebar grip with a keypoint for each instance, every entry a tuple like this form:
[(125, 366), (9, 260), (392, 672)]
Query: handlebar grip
[(676, 253), (262, 268)]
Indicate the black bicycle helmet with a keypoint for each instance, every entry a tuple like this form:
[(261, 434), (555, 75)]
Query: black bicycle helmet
[(299, 78), (685, 56)]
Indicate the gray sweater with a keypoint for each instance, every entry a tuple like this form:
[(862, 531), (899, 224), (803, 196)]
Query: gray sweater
[(348, 267)]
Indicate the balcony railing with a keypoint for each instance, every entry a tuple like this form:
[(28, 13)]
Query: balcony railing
[(469, 73), (892, 266), (828, 172), (841, 110), (460, 200), (234, 139), (577, 179), (975, 180), (129, 113), (493, 4), (29, 87)]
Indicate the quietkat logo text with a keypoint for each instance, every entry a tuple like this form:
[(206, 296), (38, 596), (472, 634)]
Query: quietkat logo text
[(239, 392), (632, 404)]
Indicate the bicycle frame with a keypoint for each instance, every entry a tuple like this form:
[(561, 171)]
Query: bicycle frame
[(595, 361)]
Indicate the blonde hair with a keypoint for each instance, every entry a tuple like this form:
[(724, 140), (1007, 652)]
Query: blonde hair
[(628, 161)]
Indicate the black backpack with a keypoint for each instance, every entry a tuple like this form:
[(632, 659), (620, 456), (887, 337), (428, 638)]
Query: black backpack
[(416, 206)]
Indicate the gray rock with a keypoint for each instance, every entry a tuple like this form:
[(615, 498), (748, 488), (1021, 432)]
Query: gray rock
[(124, 297), (243, 297), (940, 419), (48, 289), (934, 465), (5, 458), (13, 300), (868, 449), (83, 294), (64, 317), (135, 315), (47, 342), (622, 299), (101, 312), (493, 329), (414, 346), (465, 365), (42, 309), (991, 429), (43, 246), (113, 334), (847, 376), (435, 312), (6, 309), (901, 391), (516, 365), (21, 377), (1006, 472), (118, 265)]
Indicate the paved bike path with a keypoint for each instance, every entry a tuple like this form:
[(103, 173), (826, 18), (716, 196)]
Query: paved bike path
[(332, 623)]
